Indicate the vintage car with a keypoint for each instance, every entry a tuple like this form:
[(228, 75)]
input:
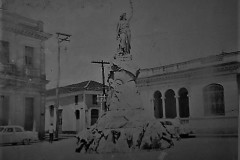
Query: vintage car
[(16, 134)]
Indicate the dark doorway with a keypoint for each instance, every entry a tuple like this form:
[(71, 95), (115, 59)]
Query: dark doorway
[(77, 114), (94, 116), (183, 103), (29, 118), (51, 110), (4, 110), (170, 103), (158, 108)]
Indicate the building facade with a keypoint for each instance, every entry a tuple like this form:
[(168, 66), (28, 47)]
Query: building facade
[(79, 106), (203, 92), (22, 71)]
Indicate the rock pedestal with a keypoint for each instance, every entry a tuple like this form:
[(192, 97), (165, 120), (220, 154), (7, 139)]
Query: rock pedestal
[(125, 126)]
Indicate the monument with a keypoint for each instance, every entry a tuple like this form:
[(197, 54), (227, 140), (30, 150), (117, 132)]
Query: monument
[(125, 126)]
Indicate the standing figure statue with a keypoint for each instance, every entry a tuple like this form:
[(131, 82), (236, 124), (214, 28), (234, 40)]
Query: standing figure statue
[(124, 33)]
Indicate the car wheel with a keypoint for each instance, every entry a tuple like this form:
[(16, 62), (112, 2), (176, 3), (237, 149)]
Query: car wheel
[(26, 141), (185, 135)]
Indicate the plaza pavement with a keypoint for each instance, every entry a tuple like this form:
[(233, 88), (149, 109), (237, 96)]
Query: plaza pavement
[(195, 148)]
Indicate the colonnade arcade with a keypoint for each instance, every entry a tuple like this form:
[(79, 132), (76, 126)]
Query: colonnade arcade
[(170, 104)]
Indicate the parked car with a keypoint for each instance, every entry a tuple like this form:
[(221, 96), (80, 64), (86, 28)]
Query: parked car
[(185, 128), (172, 128), (16, 134), (176, 128)]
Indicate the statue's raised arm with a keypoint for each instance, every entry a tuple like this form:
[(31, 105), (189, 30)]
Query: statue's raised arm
[(131, 13)]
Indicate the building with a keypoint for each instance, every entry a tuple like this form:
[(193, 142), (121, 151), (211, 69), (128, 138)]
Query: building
[(78, 106), (203, 92), (22, 71)]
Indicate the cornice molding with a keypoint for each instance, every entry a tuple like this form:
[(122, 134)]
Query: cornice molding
[(7, 26), (191, 73), (62, 95), (8, 81), (195, 63)]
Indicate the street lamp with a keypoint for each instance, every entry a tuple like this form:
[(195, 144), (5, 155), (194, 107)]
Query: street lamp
[(103, 80), (101, 99)]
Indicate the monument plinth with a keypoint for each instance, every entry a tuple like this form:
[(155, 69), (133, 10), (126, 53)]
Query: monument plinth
[(126, 126)]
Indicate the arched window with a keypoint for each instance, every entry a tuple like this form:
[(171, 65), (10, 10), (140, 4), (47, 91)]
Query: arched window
[(183, 103), (170, 104), (94, 116), (158, 109), (213, 100)]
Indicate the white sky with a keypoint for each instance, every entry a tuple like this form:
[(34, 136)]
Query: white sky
[(163, 32)]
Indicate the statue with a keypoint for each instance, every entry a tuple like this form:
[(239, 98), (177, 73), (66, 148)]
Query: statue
[(126, 125), (124, 33)]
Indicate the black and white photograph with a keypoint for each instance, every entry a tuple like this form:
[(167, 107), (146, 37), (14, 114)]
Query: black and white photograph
[(119, 79)]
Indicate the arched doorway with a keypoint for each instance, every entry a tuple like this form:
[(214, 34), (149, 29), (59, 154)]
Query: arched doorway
[(94, 116), (170, 104), (158, 108), (183, 103)]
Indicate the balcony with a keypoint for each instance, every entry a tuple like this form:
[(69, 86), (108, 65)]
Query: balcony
[(31, 72), (10, 69), (13, 70)]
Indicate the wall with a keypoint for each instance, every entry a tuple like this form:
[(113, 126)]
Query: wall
[(17, 106), (17, 45), (89, 101), (68, 106), (197, 120)]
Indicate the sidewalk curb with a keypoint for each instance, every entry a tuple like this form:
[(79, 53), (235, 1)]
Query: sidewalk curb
[(215, 135)]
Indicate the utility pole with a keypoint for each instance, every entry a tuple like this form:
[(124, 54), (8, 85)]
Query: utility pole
[(61, 37), (103, 78)]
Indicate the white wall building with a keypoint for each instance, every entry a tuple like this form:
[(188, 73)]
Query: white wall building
[(78, 106), (22, 71), (202, 92)]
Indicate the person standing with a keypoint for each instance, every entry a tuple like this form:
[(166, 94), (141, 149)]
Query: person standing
[(51, 131)]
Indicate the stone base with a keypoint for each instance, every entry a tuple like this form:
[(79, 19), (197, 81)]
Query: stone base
[(123, 57), (126, 129)]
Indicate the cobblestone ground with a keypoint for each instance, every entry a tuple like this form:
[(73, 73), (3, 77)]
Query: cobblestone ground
[(202, 148)]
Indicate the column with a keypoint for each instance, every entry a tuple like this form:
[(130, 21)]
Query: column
[(189, 98), (90, 117), (42, 58), (177, 105), (42, 115), (163, 105), (1, 107), (11, 108), (82, 118), (151, 110)]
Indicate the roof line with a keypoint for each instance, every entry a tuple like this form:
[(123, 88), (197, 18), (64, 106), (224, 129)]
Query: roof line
[(193, 60), (87, 84)]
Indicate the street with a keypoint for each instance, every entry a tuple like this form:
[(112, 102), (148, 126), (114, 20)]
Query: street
[(200, 148)]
